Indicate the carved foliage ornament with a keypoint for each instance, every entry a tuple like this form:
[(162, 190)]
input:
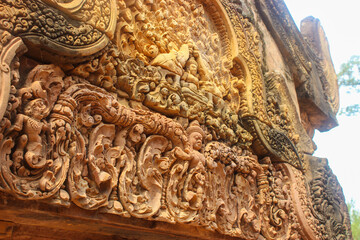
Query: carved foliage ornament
[(201, 88), (96, 153), (146, 120), (328, 202), (73, 28)]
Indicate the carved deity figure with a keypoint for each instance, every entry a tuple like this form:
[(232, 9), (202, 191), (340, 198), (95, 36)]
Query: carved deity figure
[(191, 74), (192, 154), (32, 125), (195, 183), (41, 90), (175, 60)]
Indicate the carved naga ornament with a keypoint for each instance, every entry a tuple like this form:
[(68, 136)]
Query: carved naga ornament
[(153, 109)]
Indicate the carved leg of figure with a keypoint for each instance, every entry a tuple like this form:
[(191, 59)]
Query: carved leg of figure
[(33, 155), (210, 103), (177, 82), (220, 105), (35, 160), (251, 219), (100, 177), (18, 155), (47, 181)]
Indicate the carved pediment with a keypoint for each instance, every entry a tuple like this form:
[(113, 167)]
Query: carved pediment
[(151, 109)]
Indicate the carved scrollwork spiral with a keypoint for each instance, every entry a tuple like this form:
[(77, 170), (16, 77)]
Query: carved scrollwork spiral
[(142, 116)]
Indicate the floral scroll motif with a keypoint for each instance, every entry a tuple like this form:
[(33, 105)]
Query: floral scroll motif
[(72, 142), (157, 125)]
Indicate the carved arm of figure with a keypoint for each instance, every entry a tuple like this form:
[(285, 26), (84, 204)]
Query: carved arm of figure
[(183, 154), (35, 89), (45, 126), (21, 144), (191, 74), (100, 176), (190, 78), (210, 163), (18, 125), (32, 127)]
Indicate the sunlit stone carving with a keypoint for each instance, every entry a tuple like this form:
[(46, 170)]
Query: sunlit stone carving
[(166, 111)]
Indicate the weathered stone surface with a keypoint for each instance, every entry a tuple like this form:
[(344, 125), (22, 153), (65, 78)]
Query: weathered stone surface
[(158, 119), (308, 60)]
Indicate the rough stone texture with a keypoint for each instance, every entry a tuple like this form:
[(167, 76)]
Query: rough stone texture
[(161, 119)]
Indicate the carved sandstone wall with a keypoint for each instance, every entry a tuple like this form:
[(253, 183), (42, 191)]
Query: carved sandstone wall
[(159, 119)]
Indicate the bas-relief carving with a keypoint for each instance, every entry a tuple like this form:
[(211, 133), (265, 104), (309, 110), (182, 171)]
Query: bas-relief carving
[(315, 36), (328, 201), (52, 32), (130, 162), (308, 61), (166, 123)]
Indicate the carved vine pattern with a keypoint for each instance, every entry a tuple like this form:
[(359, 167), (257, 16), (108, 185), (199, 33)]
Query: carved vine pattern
[(78, 144), (91, 137)]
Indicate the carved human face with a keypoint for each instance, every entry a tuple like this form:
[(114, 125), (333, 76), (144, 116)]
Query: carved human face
[(164, 91), (36, 109), (196, 140), (152, 51), (193, 68)]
